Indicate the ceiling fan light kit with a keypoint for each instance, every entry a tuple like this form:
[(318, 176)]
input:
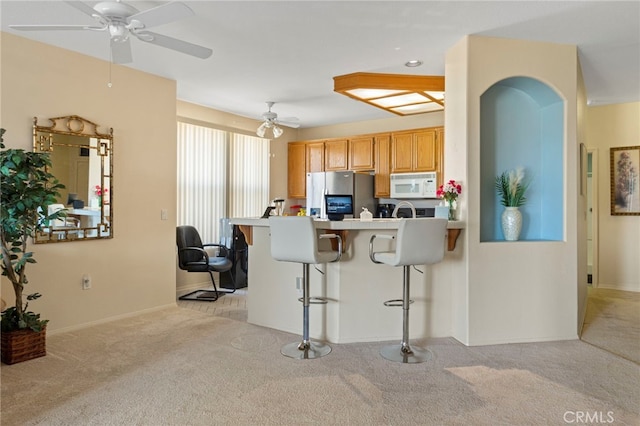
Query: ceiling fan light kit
[(400, 94), (122, 20), (271, 121)]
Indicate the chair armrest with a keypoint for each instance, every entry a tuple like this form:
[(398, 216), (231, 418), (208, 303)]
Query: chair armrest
[(373, 237), (325, 236), (222, 246), (202, 252)]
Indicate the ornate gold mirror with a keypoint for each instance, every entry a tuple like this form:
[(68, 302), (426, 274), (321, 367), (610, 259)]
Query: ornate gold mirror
[(82, 160)]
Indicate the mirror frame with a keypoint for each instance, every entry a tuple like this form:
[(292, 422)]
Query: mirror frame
[(86, 228)]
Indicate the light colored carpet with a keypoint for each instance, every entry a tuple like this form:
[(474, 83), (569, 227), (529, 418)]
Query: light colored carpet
[(182, 366), (612, 322)]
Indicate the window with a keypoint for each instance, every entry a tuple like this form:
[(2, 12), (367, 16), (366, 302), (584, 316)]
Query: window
[(220, 174)]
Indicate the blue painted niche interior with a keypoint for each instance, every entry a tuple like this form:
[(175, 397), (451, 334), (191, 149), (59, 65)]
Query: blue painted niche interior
[(522, 125)]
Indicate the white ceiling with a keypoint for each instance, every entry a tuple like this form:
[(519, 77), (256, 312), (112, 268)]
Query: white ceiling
[(289, 51)]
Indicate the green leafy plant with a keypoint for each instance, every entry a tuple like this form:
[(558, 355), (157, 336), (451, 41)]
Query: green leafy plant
[(26, 189), (511, 187)]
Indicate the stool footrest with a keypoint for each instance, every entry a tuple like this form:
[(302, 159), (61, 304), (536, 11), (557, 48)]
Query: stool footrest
[(315, 300), (395, 302)]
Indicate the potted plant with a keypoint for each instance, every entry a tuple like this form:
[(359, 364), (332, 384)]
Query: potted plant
[(511, 187), (26, 189)]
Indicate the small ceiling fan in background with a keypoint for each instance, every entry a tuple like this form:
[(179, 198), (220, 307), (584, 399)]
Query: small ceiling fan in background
[(271, 121), (122, 20)]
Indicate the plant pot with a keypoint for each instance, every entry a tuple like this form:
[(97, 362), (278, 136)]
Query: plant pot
[(511, 223), (22, 345)]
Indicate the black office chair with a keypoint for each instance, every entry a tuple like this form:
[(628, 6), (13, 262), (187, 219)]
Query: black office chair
[(192, 257)]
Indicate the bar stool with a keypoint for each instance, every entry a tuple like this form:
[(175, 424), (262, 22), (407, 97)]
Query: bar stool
[(418, 242), (294, 239)]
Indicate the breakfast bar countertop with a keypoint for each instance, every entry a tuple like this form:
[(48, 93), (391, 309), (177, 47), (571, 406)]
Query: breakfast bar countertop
[(346, 224)]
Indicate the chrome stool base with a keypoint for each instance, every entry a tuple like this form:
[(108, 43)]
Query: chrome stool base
[(405, 354), (298, 350)]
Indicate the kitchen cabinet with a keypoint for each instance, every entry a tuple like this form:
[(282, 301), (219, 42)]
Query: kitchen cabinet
[(419, 150), (315, 157), (414, 151), (361, 153), (297, 173), (382, 182), (336, 154)]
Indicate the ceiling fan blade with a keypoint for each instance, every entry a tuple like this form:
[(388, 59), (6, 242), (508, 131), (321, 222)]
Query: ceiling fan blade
[(84, 8), (162, 14), (54, 27), (121, 52), (174, 43), (291, 124)]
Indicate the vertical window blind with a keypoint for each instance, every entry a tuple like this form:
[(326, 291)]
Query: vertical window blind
[(220, 174)]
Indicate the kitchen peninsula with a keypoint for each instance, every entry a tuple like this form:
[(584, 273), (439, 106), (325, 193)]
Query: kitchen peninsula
[(355, 287)]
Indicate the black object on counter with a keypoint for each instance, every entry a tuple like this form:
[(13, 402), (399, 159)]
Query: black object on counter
[(384, 210)]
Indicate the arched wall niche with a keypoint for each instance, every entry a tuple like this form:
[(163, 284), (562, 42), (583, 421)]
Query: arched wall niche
[(522, 125)]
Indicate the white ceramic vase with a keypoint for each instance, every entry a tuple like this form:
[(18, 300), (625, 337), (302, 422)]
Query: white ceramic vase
[(511, 223)]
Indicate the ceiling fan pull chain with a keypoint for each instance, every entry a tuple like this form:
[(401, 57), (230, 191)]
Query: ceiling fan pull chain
[(109, 84)]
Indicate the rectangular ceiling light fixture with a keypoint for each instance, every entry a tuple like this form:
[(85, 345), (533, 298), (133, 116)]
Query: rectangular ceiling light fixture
[(400, 94)]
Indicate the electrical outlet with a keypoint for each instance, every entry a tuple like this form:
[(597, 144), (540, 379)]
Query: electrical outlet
[(299, 285), (86, 282), (164, 214)]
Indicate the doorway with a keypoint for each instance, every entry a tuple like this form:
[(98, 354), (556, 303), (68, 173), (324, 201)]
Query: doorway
[(592, 217)]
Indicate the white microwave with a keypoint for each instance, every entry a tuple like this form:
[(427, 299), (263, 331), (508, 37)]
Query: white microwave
[(414, 185)]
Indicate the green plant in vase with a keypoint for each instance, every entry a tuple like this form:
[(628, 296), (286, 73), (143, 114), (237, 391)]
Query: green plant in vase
[(511, 187)]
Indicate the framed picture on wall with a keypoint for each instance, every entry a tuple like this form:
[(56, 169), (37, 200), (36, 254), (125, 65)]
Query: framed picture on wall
[(625, 180)]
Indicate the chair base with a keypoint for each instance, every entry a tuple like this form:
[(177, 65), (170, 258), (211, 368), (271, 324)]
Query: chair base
[(297, 350), (405, 354), (204, 295)]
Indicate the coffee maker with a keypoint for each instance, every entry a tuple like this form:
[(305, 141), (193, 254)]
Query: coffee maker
[(384, 210)]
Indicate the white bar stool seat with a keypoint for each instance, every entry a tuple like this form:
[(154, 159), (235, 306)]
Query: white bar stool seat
[(294, 239), (419, 241)]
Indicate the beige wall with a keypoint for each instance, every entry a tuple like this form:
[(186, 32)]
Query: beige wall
[(618, 237), (393, 123), (134, 271)]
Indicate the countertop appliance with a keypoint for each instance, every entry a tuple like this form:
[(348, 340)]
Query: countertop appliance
[(384, 210), (420, 212), (358, 185), (414, 185)]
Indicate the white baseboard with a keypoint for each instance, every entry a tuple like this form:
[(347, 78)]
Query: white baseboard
[(110, 319), (633, 288)]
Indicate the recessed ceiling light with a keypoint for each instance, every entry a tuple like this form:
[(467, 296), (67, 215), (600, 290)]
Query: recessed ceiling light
[(413, 63)]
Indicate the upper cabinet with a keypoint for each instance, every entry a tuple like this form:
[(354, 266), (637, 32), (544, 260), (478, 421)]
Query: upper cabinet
[(383, 166), (361, 155), (336, 154), (314, 157), (296, 166), (414, 151), (419, 150)]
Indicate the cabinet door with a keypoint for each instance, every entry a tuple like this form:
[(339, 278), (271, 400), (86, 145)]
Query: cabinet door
[(361, 154), (315, 157), (335, 155), (297, 174), (382, 181), (424, 151), (440, 154), (402, 152)]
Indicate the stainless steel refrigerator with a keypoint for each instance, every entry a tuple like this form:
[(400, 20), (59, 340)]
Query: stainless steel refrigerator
[(359, 185)]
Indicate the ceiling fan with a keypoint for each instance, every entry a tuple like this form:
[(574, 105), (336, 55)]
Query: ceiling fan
[(122, 20), (271, 121)]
